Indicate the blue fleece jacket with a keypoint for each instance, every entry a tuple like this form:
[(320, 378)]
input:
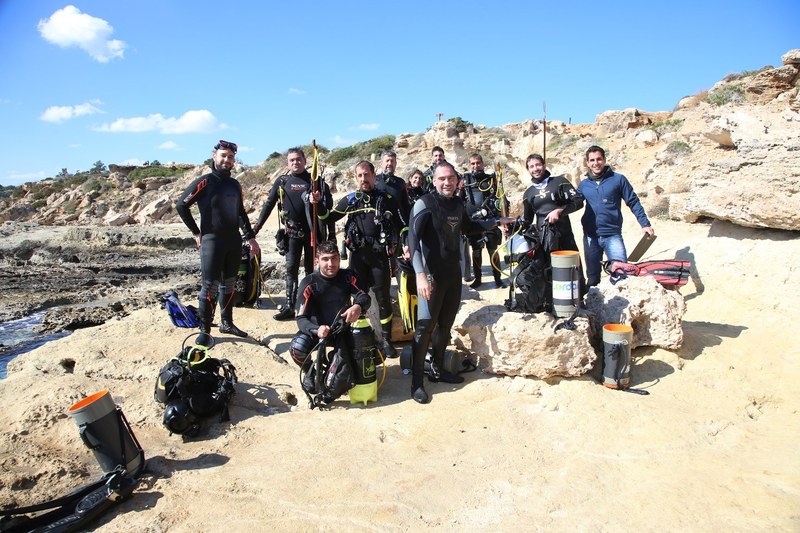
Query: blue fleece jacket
[(603, 214)]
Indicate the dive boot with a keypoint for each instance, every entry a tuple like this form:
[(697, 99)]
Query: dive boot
[(388, 351), (286, 313), (476, 268), (229, 328), (419, 395), (206, 318)]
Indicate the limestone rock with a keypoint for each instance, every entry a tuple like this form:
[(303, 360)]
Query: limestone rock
[(515, 344), (645, 138), (112, 218), (654, 313), (792, 57), (631, 118), (154, 211), (769, 84)]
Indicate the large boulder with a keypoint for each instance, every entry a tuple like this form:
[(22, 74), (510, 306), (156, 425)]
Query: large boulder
[(155, 210), (760, 165), (654, 313), (515, 344)]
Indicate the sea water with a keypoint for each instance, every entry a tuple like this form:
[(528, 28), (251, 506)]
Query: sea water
[(18, 337)]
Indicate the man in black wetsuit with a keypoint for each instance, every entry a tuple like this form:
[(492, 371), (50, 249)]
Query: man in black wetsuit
[(434, 239), (480, 197), (550, 200), (437, 158), (325, 294), (373, 222), (219, 199), (290, 193), (387, 181), (396, 186)]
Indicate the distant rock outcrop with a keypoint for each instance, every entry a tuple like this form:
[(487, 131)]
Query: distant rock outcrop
[(730, 154)]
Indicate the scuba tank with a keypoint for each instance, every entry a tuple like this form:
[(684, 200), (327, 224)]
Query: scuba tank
[(364, 375)]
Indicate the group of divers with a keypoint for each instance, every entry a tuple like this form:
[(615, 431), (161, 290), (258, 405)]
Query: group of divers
[(413, 229)]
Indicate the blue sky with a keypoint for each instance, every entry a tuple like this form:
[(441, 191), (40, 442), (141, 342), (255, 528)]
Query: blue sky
[(132, 81)]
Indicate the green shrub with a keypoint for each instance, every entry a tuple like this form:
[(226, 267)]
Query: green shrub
[(664, 126), (460, 124), (69, 207), (562, 141), (377, 145), (362, 150), (339, 155), (92, 184), (153, 171), (678, 148), (727, 94), (38, 204), (272, 164), (74, 181)]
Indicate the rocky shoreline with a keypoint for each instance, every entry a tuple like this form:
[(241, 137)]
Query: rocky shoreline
[(82, 276)]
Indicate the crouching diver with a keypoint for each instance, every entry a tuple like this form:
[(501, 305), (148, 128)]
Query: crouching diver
[(219, 198), (437, 221), (323, 295)]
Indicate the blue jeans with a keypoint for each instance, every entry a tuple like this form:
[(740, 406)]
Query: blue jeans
[(593, 248)]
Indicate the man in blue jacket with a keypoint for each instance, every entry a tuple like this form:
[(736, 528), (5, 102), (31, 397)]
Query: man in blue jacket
[(604, 191)]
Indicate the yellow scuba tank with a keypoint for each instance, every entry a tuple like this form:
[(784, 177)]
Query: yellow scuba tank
[(364, 375)]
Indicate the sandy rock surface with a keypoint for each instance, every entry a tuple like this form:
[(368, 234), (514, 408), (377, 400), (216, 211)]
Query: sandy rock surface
[(711, 447)]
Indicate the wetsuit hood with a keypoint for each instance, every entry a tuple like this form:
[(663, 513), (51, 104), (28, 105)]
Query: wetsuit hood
[(219, 172)]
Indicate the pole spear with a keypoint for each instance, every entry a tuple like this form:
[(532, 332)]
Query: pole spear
[(544, 132), (314, 188)]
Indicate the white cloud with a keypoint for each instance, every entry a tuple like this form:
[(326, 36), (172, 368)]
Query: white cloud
[(169, 145), (132, 162), (292, 90), (58, 114), (199, 121), (339, 141), (245, 149), (69, 27), (367, 127)]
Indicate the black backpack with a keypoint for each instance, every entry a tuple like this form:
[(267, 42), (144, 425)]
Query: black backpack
[(248, 280), (202, 383)]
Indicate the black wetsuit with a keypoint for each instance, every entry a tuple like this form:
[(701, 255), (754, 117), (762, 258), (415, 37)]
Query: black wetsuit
[(373, 221), (543, 197), (434, 239), (291, 191), (397, 188), (479, 192), (323, 299), (219, 199), (414, 194)]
